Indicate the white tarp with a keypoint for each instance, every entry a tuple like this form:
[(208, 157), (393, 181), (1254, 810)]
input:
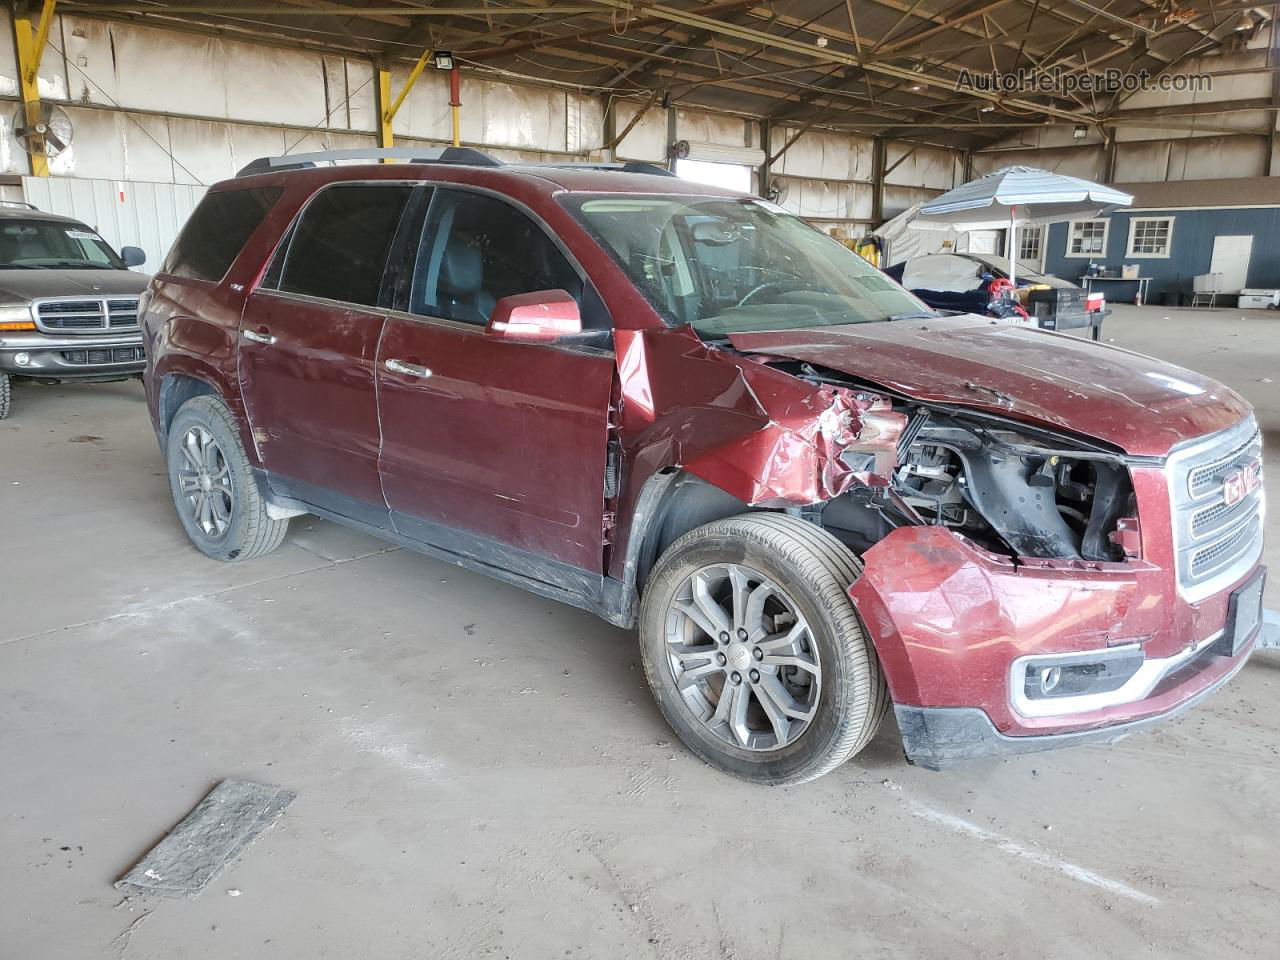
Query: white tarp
[(905, 240)]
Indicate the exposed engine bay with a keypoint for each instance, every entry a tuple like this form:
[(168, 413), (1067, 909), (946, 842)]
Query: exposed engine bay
[(1010, 488)]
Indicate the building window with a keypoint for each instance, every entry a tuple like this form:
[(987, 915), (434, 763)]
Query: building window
[(1087, 238), (1030, 240), (1150, 237)]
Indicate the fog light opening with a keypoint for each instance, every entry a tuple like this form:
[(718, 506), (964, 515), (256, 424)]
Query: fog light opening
[(22, 359), (1049, 679)]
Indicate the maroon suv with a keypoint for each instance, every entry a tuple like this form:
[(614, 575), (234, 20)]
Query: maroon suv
[(685, 409)]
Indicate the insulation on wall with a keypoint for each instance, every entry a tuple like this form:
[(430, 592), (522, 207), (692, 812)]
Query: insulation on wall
[(1087, 162), (933, 168), (822, 156), (825, 200), (702, 127), (647, 140)]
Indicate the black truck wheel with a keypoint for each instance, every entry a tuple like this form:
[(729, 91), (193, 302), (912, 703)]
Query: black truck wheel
[(213, 486)]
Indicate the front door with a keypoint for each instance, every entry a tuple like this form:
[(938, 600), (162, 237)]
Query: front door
[(308, 344), (1231, 259), (493, 448)]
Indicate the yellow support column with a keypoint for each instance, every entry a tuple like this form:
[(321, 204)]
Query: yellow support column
[(30, 46), (385, 138)]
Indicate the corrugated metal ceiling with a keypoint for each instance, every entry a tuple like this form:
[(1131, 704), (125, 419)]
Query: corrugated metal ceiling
[(871, 66)]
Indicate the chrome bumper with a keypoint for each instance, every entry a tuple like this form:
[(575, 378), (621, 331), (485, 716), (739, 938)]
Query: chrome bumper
[(47, 355)]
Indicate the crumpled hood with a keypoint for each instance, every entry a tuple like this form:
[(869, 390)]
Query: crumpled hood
[(1141, 405), (22, 286)]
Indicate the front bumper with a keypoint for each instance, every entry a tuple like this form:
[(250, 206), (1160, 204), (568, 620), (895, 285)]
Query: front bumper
[(938, 737), (72, 357), (954, 626)]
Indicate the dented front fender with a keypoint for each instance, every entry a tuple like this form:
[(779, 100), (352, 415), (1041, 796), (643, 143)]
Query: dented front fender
[(761, 435)]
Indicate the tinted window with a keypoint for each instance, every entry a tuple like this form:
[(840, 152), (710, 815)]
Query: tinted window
[(478, 249), (61, 244), (216, 231), (340, 245)]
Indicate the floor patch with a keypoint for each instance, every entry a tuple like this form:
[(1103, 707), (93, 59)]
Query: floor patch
[(211, 836)]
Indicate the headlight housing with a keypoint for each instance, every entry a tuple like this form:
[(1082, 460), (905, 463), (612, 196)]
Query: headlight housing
[(16, 316)]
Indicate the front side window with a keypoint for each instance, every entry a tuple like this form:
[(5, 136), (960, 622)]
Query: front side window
[(339, 247), (727, 265), (216, 230), (1087, 238), (54, 245), (1150, 236), (477, 249)]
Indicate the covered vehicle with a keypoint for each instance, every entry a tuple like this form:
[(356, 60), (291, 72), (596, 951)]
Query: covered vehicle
[(949, 281)]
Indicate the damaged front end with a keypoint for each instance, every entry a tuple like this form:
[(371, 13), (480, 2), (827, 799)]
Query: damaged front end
[(1009, 488)]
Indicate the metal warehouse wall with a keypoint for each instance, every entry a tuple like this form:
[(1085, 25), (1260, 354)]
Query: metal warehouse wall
[(1197, 142), (153, 105), (1190, 252)]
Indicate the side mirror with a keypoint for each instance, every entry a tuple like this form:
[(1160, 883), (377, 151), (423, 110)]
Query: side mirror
[(133, 256), (542, 315)]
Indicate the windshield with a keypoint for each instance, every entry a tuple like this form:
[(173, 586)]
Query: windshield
[(54, 245), (730, 266)]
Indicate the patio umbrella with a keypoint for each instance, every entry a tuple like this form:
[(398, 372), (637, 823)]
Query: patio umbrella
[(1013, 195)]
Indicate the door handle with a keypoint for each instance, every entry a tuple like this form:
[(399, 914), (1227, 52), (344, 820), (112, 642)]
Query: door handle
[(258, 337), (408, 369)]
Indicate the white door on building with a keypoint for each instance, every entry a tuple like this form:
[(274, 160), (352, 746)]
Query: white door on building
[(1231, 259), (981, 241)]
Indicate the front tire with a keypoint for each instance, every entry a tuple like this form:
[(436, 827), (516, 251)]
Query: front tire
[(754, 651), (213, 487), (6, 394)]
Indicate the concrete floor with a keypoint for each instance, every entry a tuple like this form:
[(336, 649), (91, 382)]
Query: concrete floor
[(482, 773)]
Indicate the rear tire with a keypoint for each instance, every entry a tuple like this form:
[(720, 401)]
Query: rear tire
[(796, 689), (6, 394), (213, 486)]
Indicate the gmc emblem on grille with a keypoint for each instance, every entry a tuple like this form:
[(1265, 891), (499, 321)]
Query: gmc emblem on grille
[(1236, 486)]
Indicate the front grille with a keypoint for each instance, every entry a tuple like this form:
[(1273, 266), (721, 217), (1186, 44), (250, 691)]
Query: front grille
[(1207, 477), (1206, 560), (85, 315), (1217, 542), (122, 314), (100, 355)]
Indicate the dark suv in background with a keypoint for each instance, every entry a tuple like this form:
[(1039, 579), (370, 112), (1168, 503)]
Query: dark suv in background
[(68, 302), (686, 409)]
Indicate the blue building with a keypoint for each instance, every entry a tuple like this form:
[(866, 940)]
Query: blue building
[(1173, 232)]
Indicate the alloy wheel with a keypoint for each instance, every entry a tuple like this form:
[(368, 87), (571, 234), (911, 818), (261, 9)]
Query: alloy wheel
[(204, 480), (742, 657)]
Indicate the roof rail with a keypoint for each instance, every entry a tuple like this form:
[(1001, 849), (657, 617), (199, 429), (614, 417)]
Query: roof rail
[(18, 203), (630, 166), (298, 161)]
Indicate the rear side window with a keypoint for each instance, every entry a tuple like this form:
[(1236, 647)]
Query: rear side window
[(216, 231), (339, 247)]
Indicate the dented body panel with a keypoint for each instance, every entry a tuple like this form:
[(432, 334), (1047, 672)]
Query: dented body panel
[(1140, 405)]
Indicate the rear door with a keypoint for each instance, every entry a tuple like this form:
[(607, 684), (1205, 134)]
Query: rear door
[(308, 341), (499, 451)]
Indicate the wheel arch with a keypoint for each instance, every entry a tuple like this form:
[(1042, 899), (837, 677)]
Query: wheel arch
[(671, 503), (175, 390), (185, 377)]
